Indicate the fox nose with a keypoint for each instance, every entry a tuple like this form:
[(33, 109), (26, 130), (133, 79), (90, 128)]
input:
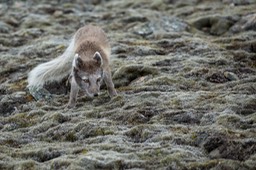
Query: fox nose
[(96, 94)]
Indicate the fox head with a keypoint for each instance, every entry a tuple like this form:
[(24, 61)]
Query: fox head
[(88, 74)]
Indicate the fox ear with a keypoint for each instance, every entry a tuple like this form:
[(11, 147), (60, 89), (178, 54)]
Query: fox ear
[(98, 58), (77, 62)]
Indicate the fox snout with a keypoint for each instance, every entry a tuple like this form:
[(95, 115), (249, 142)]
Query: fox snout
[(93, 91)]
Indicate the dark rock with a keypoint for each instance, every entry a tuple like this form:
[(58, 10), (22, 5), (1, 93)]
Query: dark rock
[(4, 28), (213, 142), (126, 74), (216, 25), (216, 78)]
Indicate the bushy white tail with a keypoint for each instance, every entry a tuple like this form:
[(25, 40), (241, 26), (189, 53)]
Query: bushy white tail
[(54, 70)]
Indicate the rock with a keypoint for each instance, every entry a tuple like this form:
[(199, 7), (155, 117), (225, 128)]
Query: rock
[(214, 25), (126, 74), (246, 23), (58, 13), (12, 21), (20, 94), (231, 76), (163, 25), (217, 78), (143, 30), (4, 28), (40, 93), (238, 2)]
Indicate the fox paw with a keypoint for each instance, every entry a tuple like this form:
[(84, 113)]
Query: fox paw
[(112, 93), (70, 105), (40, 93)]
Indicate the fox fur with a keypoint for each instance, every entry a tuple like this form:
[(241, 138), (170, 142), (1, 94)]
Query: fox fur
[(86, 60)]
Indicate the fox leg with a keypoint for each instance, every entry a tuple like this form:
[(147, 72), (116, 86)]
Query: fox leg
[(109, 83), (73, 93)]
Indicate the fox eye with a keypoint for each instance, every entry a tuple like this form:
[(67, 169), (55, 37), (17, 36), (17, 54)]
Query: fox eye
[(98, 80), (86, 80)]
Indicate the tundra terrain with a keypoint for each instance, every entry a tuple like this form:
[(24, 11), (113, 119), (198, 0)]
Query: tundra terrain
[(185, 73)]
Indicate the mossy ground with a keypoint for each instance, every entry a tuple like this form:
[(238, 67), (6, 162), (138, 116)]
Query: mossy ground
[(184, 72)]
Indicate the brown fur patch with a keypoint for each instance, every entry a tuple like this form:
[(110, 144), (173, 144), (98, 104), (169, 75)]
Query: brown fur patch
[(90, 39), (90, 66), (87, 49)]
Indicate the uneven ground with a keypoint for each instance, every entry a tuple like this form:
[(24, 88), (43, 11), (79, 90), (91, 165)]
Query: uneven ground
[(185, 72)]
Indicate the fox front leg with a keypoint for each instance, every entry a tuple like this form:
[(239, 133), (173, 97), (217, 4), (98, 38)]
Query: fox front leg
[(109, 83), (73, 93)]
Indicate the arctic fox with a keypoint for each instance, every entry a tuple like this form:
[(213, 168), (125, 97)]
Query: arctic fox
[(86, 60)]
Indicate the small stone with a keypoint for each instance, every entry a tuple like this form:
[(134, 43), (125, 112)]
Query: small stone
[(25, 108), (214, 25), (40, 93), (58, 13), (231, 76), (4, 28), (12, 21), (143, 30), (1, 125), (20, 94)]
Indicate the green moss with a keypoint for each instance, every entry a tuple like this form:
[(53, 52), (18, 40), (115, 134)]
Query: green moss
[(22, 120), (158, 5), (28, 165), (19, 85), (125, 88), (11, 143), (172, 160), (150, 95), (68, 5), (98, 131), (60, 164), (193, 136), (203, 165), (116, 102), (94, 113), (108, 147), (252, 117), (84, 151), (138, 42), (228, 120), (60, 118), (71, 137), (163, 80), (153, 155), (167, 114), (176, 103), (102, 132), (140, 133)]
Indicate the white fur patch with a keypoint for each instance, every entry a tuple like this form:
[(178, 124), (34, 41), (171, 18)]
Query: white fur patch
[(54, 70), (101, 60), (84, 78), (97, 53), (74, 60)]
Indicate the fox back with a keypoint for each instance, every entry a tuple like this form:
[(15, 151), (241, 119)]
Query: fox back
[(90, 39)]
